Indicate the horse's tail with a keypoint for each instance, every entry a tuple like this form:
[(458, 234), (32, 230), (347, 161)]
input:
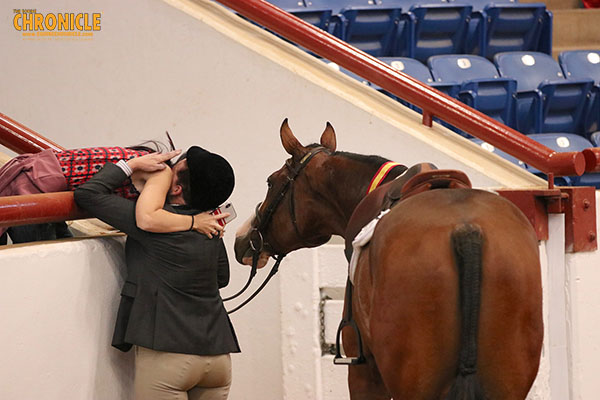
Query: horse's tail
[(467, 241)]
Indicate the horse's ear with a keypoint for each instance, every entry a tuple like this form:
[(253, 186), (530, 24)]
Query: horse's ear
[(289, 141), (328, 138)]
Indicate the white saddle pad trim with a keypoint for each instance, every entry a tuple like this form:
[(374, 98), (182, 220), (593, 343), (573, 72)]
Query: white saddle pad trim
[(363, 237)]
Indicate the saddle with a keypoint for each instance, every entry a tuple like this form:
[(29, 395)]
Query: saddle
[(417, 179), (424, 181)]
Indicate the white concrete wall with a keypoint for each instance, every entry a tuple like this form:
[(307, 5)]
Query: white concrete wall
[(211, 79), (581, 287), (58, 304)]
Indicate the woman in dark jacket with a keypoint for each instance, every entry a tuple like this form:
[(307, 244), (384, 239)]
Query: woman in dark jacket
[(171, 310)]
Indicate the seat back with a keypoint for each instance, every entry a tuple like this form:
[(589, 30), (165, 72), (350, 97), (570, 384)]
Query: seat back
[(372, 29), (461, 68), (481, 86), (545, 96), (493, 97), (516, 27), (411, 67), (564, 105), (529, 69), (581, 64), (438, 29), (585, 64)]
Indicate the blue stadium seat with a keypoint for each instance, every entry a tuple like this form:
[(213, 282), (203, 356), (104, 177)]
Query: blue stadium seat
[(437, 29), (565, 142), (581, 64), (492, 149), (595, 139), (501, 26), (481, 87), (474, 36), (585, 64), (546, 101), (411, 67), (419, 71), (373, 29)]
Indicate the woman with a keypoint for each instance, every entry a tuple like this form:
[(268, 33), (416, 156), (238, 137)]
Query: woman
[(170, 310)]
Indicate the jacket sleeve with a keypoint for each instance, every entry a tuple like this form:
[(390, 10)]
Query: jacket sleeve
[(96, 196), (223, 266)]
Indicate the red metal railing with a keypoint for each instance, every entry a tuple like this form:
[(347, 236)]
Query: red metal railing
[(36, 208), (21, 139), (432, 102)]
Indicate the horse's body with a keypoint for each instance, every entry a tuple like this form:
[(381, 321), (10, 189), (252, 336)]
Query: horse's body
[(409, 298), (406, 299)]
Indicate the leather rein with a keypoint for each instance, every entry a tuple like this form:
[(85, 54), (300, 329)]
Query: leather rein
[(257, 242)]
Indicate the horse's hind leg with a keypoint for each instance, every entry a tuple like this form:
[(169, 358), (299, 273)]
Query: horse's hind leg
[(364, 380), (365, 383)]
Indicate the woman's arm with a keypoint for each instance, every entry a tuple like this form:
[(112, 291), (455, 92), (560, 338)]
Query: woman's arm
[(151, 217)]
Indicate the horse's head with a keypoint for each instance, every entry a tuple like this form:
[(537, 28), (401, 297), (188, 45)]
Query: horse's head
[(293, 215)]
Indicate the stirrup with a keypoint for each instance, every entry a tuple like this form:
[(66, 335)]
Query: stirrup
[(343, 360)]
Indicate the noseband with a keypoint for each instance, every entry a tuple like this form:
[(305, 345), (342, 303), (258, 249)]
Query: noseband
[(257, 242)]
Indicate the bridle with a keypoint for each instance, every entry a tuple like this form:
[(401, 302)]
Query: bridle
[(257, 234)]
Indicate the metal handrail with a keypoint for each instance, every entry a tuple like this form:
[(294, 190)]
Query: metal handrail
[(34, 208), (432, 102), (38, 208), (20, 139)]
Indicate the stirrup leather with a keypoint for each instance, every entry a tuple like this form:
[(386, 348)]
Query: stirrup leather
[(339, 359)]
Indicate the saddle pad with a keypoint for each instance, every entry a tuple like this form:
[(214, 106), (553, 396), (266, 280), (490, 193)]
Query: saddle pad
[(363, 237)]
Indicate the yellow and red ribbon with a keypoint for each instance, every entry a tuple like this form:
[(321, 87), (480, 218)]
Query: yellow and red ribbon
[(381, 174)]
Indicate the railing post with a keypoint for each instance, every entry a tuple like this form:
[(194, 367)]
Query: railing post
[(427, 118)]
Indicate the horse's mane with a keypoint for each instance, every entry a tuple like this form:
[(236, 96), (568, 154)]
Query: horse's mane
[(375, 161)]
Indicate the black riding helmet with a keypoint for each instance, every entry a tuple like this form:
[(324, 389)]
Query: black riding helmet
[(211, 178)]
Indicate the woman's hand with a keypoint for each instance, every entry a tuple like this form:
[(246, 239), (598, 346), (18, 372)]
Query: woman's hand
[(152, 162), (208, 224)]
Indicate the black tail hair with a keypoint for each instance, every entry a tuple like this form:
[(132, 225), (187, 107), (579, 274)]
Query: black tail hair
[(467, 241)]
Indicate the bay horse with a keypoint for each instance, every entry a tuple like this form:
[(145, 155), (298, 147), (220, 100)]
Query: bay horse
[(447, 294)]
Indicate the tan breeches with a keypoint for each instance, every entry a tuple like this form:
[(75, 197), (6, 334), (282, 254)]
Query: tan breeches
[(174, 376)]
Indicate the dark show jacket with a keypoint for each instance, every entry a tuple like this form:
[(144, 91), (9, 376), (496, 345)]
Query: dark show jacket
[(170, 300)]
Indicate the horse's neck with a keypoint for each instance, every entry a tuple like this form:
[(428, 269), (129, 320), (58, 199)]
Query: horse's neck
[(347, 186)]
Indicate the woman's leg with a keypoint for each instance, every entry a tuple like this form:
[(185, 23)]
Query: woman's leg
[(161, 376), (216, 382)]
